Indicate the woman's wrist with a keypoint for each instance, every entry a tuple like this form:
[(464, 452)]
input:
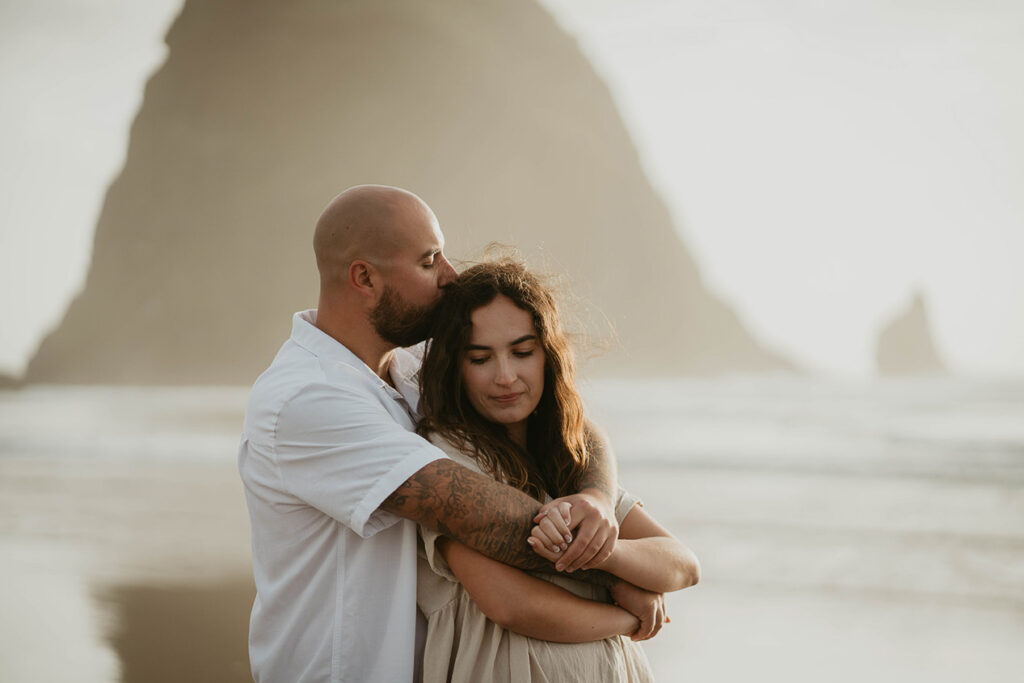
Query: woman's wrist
[(614, 560), (630, 623)]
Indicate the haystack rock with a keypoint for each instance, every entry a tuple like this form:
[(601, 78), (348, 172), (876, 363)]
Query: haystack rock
[(264, 110), (905, 345)]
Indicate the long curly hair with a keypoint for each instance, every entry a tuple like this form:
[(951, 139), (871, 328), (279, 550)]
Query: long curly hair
[(556, 453)]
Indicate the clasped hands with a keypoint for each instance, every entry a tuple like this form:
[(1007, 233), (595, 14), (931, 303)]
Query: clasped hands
[(596, 526), (592, 548)]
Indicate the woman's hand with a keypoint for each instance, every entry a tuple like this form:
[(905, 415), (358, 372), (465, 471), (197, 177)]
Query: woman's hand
[(646, 606), (596, 531)]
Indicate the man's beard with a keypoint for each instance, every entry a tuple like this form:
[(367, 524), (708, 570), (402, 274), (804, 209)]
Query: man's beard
[(398, 322)]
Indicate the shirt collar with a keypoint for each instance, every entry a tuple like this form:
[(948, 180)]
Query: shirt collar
[(405, 373), (306, 334), (405, 363)]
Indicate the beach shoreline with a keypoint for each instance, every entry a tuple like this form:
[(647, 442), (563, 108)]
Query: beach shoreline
[(137, 562)]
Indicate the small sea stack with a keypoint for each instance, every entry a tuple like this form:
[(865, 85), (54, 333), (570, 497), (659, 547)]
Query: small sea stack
[(906, 346)]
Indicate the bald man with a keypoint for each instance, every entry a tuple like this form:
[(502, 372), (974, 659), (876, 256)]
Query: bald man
[(335, 478)]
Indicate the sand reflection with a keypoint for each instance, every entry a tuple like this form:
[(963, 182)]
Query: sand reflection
[(184, 632)]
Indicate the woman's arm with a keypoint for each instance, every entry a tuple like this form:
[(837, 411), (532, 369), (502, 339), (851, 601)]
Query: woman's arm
[(646, 555), (650, 557), (530, 606)]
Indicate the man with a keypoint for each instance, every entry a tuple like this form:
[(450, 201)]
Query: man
[(336, 480)]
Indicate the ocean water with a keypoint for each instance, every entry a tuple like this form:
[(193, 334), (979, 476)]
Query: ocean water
[(914, 427), (147, 424), (928, 428)]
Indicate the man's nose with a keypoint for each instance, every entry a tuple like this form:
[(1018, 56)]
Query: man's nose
[(448, 274)]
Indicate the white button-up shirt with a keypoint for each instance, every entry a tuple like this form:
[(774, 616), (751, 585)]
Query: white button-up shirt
[(325, 442)]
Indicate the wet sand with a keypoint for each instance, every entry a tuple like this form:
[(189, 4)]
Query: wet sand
[(184, 632), (117, 571), (811, 577), (123, 571)]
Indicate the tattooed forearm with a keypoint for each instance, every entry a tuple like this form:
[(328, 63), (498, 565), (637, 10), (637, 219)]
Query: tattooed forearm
[(491, 518), (488, 517), (601, 471)]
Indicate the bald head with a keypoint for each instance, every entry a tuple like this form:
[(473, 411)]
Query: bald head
[(368, 222), (382, 271)]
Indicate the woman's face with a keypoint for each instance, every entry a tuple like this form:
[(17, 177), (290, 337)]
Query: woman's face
[(503, 366)]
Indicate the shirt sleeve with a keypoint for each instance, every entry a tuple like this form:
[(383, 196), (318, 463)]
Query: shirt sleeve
[(625, 502), (430, 537), (343, 453)]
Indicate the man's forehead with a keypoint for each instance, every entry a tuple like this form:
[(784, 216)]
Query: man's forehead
[(427, 241), (433, 251)]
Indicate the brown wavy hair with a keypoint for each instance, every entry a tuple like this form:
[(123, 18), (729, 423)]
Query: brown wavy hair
[(556, 453)]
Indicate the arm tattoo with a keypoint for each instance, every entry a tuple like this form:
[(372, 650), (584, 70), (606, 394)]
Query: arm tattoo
[(489, 517), (601, 471)]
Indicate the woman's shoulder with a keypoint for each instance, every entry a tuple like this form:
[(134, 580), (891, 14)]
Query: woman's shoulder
[(456, 453), (443, 442)]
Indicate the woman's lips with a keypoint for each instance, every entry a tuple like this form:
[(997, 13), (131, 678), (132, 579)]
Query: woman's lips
[(507, 398)]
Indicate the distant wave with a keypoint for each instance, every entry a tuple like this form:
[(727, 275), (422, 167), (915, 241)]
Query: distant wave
[(934, 428)]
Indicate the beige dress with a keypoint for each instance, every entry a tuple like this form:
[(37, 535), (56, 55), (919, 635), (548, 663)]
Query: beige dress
[(464, 646)]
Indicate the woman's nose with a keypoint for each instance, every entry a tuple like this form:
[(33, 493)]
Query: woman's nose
[(506, 375)]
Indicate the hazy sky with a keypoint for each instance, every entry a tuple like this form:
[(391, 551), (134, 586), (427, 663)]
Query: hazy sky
[(823, 159), (71, 80)]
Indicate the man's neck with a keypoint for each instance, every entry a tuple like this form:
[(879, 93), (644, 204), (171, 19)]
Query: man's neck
[(361, 339)]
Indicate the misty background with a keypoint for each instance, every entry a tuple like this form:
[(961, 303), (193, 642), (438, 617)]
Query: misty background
[(802, 219), (821, 161)]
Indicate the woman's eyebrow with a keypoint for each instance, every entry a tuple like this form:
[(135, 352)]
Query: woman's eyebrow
[(519, 340)]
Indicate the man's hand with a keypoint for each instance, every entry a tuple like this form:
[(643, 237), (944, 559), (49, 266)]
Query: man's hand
[(593, 518), (646, 606)]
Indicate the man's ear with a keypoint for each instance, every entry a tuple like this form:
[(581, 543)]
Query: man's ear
[(363, 277)]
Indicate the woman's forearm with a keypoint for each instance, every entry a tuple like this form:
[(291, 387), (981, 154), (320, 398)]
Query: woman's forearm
[(530, 606), (548, 612), (648, 556), (657, 563)]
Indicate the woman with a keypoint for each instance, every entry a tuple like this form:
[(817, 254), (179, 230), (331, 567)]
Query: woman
[(497, 394)]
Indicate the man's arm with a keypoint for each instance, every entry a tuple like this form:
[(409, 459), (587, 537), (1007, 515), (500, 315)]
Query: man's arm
[(491, 518), (338, 450), (485, 515), (495, 519)]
